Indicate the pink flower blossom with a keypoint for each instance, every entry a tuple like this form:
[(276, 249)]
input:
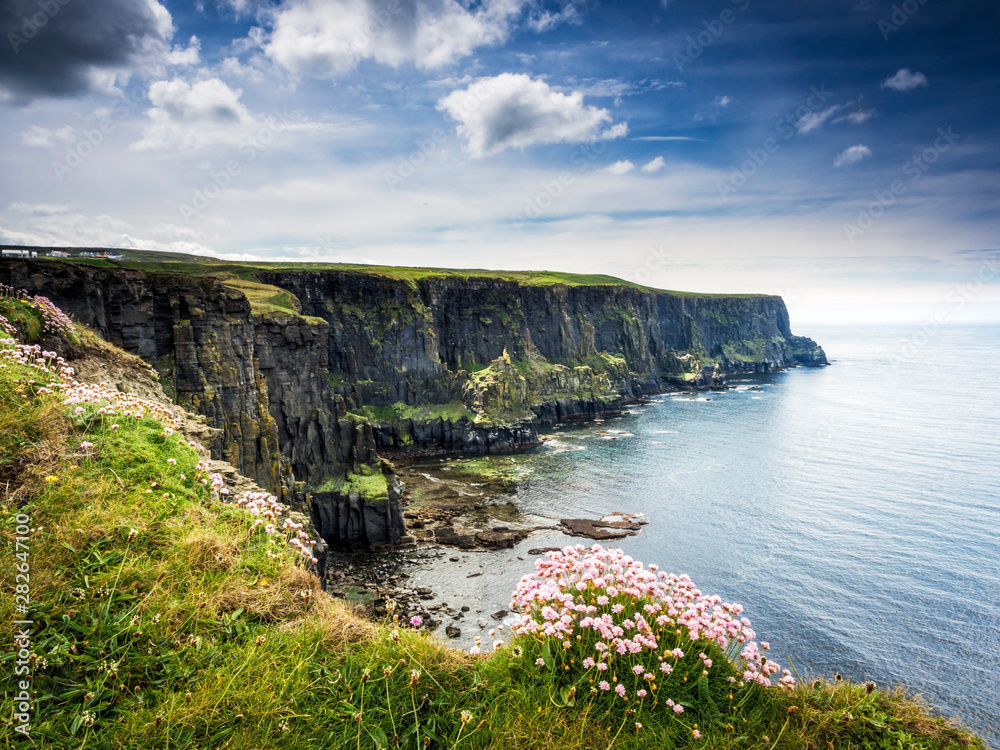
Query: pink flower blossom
[(416, 621), (620, 689), (603, 685)]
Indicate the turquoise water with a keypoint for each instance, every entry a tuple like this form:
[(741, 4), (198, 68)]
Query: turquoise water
[(854, 510)]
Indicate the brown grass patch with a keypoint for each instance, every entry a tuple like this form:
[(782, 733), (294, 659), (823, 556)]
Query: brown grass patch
[(286, 596), (29, 458), (920, 717), (337, 623), (208, 551)]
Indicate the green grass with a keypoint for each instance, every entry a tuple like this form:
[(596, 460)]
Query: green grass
[(176, 263), (267, 300), (398, 412), (162, 619), (373, 487)]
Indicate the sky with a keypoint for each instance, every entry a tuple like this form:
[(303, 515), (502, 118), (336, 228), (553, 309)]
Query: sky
[(843, 154)]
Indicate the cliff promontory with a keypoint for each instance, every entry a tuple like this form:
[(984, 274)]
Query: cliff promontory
[(308, 372)]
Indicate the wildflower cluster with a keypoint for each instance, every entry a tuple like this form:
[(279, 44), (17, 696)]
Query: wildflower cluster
[(48, 364), (602, 623), (110, 402), (54, 320), (7, 327), (269, 512)]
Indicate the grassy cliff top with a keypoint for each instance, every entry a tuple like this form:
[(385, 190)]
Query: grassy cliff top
[(179, 263)]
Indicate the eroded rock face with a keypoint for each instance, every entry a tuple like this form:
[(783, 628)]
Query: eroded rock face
[(347, 519), (280, 389), (199, 335)]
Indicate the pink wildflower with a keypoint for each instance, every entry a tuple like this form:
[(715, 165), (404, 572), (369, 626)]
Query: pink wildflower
[(416, 621), (620, 689), (603, 685)]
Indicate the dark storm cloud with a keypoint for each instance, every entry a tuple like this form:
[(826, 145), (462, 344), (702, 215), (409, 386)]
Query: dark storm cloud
[(48, 47)]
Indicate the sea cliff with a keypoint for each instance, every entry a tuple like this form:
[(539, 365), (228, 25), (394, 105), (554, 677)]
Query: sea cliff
[(309, 373)]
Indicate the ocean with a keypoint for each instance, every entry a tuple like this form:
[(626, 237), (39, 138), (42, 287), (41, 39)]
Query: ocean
[(854, 510)]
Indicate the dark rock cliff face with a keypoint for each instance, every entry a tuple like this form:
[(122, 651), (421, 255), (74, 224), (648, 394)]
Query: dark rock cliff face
[(281, 389), (199, 335), (396, 340)]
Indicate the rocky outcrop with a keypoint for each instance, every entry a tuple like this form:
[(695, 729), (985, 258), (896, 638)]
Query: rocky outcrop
[(445, 436), (358, 522)]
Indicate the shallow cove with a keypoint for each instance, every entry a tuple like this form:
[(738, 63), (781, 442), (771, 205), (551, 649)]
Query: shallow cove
[(854, 510)]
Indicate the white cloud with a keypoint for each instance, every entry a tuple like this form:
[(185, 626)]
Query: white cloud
[(666, 138), (38, 137), (327, 38), (852, 155), (654, 166), (724, 101), (904, 80), (514, 111), (193, 115), (541, 20), (815, 120), (858, 117), (621, 167), (189, 56)]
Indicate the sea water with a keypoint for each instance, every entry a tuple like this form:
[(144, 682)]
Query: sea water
[(854, 510)]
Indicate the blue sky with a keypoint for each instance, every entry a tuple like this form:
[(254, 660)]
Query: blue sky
[(842, 154)]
